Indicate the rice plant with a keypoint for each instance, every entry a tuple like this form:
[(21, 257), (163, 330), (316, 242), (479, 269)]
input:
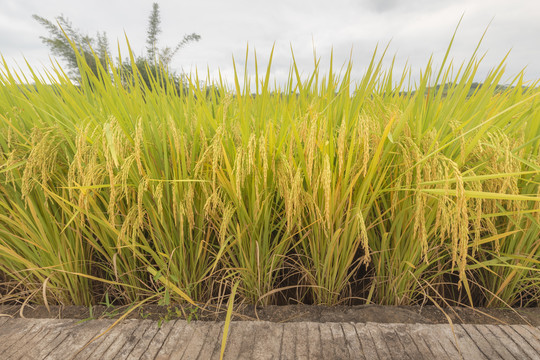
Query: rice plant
[(322, 191)]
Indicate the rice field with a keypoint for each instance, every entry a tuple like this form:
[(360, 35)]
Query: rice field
[(321, 191)]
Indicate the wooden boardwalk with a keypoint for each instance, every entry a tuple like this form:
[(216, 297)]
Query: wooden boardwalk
[(144, 339)]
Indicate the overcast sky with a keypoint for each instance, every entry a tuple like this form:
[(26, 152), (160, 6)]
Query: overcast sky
[(416, 29)]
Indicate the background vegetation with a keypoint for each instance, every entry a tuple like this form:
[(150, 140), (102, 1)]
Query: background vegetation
[(64, 38)]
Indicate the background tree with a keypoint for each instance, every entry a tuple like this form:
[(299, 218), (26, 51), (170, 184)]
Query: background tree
[(155, 63), (60, 46)]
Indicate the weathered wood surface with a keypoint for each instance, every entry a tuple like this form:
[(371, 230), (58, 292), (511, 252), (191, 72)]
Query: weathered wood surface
[(145, 339)]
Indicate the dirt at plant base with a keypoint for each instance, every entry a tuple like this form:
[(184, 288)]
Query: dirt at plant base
[(290, 313)]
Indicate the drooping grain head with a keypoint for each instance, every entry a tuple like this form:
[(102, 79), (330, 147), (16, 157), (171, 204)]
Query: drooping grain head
[(138, 143), (341, 143), (327, 190)]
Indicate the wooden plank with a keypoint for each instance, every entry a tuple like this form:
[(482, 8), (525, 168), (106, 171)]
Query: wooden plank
[(213, 339), (13, 331), (378, 339), (522, 343), (27, 340), (78, 336), (327, 341), (288, 342), (145, 339), (217, 346), (314, 345), (158, 340), (114, 337), (59, 330), (424, 339), (3, 319), (302, 342), (415, 348), (449, 340), (369, 348), (510, 342), (352, 342), (499, 344), (127, 342), (534, 332), (438, 338), (189, 344), (240, 340), (392, 342), (529, 334), (176, 340), (341, 349), (466, 344), (293, 342), (482, 342), (267, 344)]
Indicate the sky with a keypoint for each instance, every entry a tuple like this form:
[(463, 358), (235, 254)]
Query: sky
[(413, 30)]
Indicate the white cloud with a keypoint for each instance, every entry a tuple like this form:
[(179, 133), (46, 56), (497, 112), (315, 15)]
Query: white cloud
[(417, 28)]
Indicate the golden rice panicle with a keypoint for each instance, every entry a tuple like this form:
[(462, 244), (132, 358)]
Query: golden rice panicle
[(189, 198), (175, 202), (37, 163), (461, 229), (216, 154), (364, 240), (457, 129), (407, 165), (489, 155), (239, 170), (226, 101), (120, 140), (250, 154), (444, 208), (327, 189), (438, 213), (394, 198), (419, 213), (430, 142), (341, 143), (420, 201), (285, 179), (420, 223), (226, 219), (236, 133), (9, 138), (477, 222), (296, 197), (257, 202), (213, 203), (138, 146), (93, 172), (10, 161), (113, 193), (114, 142), (129, 228), (143, 186), (310, 148), (536, 205), (81, 148), (264, 158), (49, 164), (175, 145), (364, 135), (158, 196)]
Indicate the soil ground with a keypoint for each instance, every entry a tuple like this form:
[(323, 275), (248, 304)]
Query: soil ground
[(290, 313)]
